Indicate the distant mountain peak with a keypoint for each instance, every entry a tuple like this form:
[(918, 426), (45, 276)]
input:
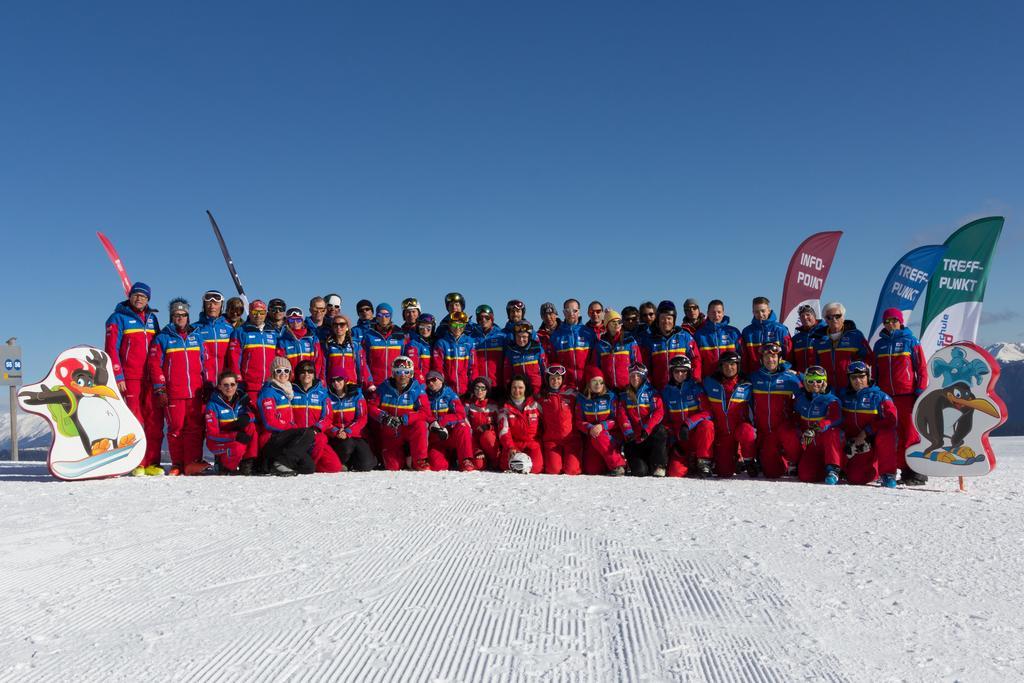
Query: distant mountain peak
[(1007, 352)]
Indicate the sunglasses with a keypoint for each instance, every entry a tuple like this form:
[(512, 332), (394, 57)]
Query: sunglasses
[(306, 371), (276, 309), (282, 371), (338, 379), (383, 314), (480, 387), (484, 316), (834, 316), (556, 370), (213, 297), (340, 324), (232, 385), (892, 320), (680, 369), (401, 371), (692, 308), (816, 381), (179, 315), (257, 313), (596, 310), (434, 379)]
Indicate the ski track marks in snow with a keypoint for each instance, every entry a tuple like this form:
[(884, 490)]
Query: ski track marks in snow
[(455, 577)]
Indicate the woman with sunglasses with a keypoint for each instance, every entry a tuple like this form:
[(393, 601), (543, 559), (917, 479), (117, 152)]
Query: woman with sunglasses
[(595, 420), (640, 414), (298, 342), (285, 448), (343, 357), (234, 311), (615, 352), (252, 349), (419, 346), (345, 436), (821, 437), (176, 368), (838, 345), (482, 414), (401, 410), (311, 408), (230, 431), (560, 442)]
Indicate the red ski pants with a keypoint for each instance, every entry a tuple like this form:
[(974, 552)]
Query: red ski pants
[(907, 433), (778, 449), (563, 457), (139, 398), (864, 468), (826, 449), (232, 453), (185, 430), (394, 442), (731, 446), (458, 447), (324, 457), (601, 454), (486, 443), (697, 444)]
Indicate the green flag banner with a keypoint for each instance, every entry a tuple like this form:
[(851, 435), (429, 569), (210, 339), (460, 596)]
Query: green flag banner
[(952, 309)]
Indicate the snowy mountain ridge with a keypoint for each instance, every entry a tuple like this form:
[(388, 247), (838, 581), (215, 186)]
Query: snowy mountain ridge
[(1007, 352), (33, 431)]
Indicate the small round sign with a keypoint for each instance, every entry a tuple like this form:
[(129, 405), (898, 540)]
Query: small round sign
[(8, 364)]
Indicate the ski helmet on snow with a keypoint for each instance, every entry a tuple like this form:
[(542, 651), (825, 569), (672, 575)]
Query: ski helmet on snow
[(520, 463)]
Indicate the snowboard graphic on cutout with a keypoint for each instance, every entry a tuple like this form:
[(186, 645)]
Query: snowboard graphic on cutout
[(95, 435), (956, 413)]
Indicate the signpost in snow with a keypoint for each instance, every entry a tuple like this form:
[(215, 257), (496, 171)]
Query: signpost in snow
[(10, 361)]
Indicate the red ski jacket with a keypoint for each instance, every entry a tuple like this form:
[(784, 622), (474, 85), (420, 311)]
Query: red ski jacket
[(836, 356), (659, 349), (311, 407), (348, 412), (518, 425), (128, 338), (614, 356), (176, 362), (773, 398), (456, 360), (300, 346), (558, 411), (381, 349), (571, 346), (480, 413), (640, 411), (529, 362), (250, 353), (727, 401), (900, 365)]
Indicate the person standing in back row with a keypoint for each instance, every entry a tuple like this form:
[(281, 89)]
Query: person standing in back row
[(130, 331), (764, 328)]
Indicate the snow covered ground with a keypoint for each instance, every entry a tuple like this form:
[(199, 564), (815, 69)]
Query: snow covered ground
[(457, 577)]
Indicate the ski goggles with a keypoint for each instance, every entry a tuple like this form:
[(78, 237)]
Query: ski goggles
[(556, 370), (410, 303), (516, 305), (214, 296), (639, 369), (815, 373), (401, 372), (771, 347)]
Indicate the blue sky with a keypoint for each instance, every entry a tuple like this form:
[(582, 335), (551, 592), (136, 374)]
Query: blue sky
[(617, 151)]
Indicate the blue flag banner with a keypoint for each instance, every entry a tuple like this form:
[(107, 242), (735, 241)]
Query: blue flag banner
[(905, 283)]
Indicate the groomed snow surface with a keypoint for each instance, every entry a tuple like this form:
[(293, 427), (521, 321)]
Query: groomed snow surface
[(465, 577)]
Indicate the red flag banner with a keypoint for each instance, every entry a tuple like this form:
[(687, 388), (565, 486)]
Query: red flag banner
[(808, 270)]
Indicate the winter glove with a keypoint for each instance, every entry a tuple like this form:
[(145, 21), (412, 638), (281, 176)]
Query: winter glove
[(807, 437), (243, 437), (243, 420), (391, 421), (436, 428)]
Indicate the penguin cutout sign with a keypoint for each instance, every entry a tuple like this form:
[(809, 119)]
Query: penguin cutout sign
[(956, 413), (95, 435)]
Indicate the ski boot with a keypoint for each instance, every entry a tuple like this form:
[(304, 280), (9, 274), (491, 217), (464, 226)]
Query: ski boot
[(703, 469), (139, 471), (889, 481), (245, 467), (911, 478), (617, 471), (750, 467), (831, 475), (282, 470), (658, 472), (154, 471)]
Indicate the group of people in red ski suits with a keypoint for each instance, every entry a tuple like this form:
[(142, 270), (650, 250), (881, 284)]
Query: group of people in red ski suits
[(641, 392)]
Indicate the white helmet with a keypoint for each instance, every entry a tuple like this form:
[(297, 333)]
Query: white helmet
[(520, 463)]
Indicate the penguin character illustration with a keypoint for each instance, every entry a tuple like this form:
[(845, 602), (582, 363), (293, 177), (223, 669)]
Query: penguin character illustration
[(81, 404), (930, 421)]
